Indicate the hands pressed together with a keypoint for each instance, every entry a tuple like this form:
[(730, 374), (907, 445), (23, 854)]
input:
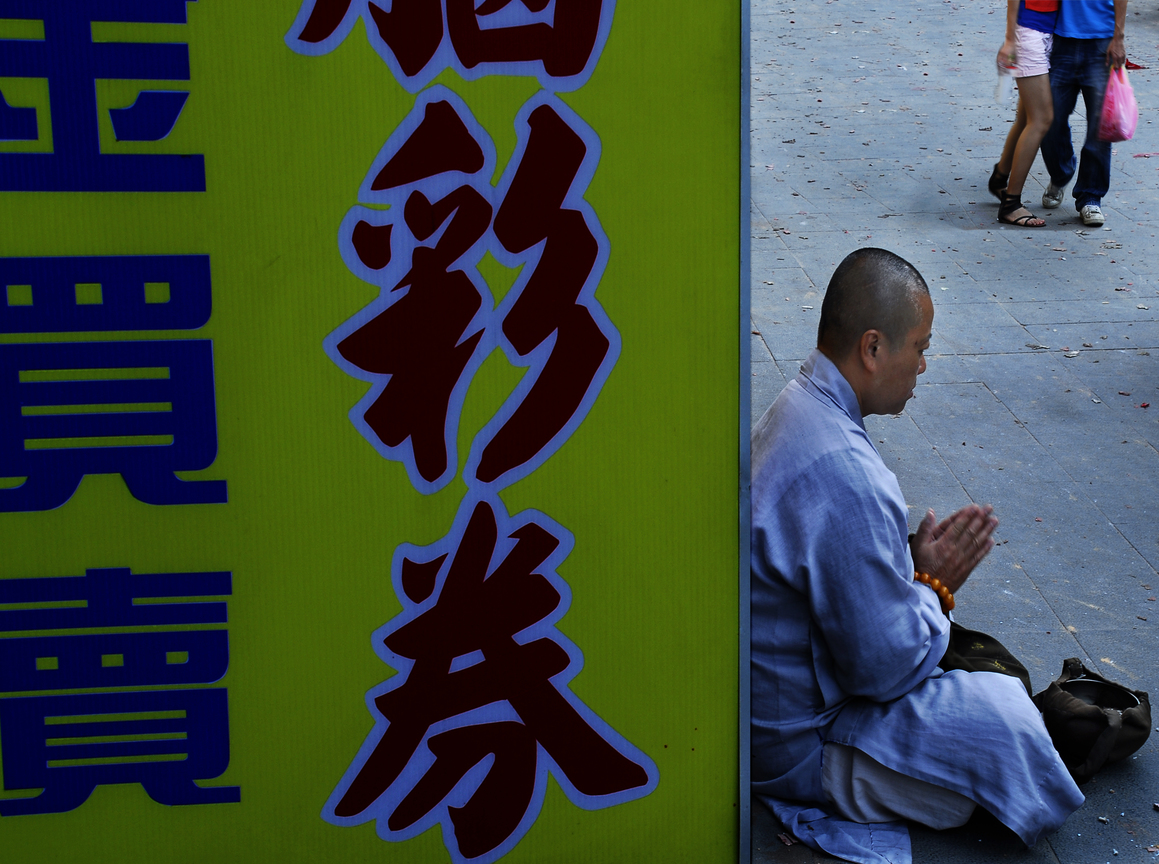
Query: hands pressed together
[(949, 550)]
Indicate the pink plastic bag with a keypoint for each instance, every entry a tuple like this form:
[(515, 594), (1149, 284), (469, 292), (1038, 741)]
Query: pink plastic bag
[(1120, 113)]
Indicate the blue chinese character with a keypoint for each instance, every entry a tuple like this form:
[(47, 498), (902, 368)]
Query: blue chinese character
[(68, 744), (113, 660), (72, 62), (129, 292), (139, 409), (111, 597)]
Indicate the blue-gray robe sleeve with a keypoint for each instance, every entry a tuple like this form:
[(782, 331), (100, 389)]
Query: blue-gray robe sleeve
[(884, 631)]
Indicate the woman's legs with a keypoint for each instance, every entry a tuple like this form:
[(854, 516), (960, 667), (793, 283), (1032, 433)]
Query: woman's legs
[(1007, 160), (1035, 114)]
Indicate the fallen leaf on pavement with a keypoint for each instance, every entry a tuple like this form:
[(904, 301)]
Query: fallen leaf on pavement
[(1121, 392), (1037, 518)]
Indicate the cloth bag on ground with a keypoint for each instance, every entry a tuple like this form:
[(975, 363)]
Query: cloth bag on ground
[(1092, 721), (1120, 114), (975, 651)]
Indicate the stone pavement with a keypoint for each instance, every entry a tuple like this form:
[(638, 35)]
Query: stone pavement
[(874, 123)]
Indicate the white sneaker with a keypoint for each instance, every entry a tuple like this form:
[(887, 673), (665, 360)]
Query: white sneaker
[(1092, 215), (1052, 197)]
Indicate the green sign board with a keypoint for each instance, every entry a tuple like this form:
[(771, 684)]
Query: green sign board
[(368, 430)]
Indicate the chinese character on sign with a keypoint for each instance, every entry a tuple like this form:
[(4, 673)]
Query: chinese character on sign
[(143, 409), (551, 319), (421, 342), (67, 744), (556, 41), (481, 711), (483, 672), (72, 62)]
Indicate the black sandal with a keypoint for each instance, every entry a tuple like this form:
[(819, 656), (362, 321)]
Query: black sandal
[(998, 181), (1012, 204)]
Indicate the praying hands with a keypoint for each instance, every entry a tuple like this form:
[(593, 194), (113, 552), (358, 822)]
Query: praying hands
[(949, 550)]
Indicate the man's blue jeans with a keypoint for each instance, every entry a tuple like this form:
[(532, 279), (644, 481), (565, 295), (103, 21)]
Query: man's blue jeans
[(1078, 65)]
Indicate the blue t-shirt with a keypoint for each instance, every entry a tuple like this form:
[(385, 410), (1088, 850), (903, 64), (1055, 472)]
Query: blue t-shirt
[(1086, 19), (1032, 19)]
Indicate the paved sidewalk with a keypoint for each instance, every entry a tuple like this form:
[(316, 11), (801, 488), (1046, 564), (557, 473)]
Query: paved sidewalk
[(874, 123)]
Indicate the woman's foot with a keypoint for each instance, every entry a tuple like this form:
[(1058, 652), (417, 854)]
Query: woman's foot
[(1011, 212), (998, 181)]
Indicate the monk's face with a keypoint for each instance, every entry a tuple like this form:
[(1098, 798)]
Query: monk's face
[(900, 365)]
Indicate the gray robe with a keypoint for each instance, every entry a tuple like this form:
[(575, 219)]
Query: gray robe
[(845, 644)]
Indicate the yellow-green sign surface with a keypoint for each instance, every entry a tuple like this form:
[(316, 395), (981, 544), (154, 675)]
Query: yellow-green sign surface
[(368, 430)]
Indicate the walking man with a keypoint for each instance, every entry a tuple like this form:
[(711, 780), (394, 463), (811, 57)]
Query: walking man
[(1088, 43)]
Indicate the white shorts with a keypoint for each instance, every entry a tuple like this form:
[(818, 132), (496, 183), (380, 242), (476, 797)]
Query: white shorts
[(1033, 49)]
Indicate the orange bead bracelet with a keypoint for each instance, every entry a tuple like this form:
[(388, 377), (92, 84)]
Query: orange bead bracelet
[(944, 595)]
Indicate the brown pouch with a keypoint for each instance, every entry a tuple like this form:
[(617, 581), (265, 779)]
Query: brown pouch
[(1092, 721), (975, 651)]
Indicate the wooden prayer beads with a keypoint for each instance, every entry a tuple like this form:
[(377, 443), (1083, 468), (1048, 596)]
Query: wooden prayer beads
[(941, 590)]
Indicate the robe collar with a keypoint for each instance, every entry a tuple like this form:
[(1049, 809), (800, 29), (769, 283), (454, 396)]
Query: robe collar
[(825, 381)]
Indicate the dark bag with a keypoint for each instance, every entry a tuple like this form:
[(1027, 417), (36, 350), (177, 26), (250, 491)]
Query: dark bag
[(975, 651), (1092, 721)]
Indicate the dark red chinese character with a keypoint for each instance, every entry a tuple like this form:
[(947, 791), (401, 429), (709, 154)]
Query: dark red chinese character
[(559, 46), (325, 18), (532, 212), (412, 30), (564, 46), (421, 340), (476, 616)]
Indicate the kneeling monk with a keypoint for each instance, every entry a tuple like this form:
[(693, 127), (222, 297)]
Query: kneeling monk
[(853, 723)]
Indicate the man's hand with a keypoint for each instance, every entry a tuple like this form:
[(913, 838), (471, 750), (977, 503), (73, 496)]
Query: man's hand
[(1117, 52), (951, 549)]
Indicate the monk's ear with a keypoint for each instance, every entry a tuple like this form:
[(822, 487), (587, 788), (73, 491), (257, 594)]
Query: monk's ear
[(869, 349)]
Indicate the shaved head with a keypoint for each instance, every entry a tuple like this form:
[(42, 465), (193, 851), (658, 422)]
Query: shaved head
[(872, 289)]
